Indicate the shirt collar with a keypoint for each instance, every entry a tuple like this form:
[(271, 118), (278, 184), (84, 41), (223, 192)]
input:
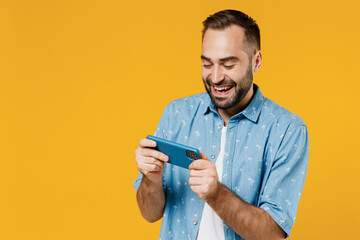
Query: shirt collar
[(252, 111)]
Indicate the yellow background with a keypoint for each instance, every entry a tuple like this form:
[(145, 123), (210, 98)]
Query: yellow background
[(82, 81)]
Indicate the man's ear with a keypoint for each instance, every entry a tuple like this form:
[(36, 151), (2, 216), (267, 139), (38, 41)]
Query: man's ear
[(257, 61)]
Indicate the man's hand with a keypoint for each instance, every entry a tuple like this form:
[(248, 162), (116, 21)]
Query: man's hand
[(150, 195), (149, 161), (203, 178)]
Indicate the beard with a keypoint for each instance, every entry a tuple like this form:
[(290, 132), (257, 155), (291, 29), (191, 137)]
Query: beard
[(242, 87)]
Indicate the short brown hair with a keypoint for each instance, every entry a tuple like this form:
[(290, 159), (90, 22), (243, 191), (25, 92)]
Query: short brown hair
[(225, 18)]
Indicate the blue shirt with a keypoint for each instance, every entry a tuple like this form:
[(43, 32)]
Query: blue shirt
[(265, 160)]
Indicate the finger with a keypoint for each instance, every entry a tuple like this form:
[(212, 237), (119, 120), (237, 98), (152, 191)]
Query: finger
[(147, 143), (201, 164), (151, 160), (148, 152), (149, 168), (196, 189), (198, 173), (196, 181), (203, 156)]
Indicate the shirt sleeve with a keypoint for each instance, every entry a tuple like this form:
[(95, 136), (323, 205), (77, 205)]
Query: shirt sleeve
[(160, 132), (284, 184)]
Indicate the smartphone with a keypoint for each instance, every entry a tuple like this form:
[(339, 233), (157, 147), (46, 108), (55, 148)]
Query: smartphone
[(179, 155)]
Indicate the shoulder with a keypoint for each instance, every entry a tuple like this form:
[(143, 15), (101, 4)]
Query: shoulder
[(280, 115), (188, 104), (180, 112), (195, 99), (285, 129)]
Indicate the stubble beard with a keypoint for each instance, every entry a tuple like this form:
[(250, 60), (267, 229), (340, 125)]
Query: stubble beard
[(241, 89)]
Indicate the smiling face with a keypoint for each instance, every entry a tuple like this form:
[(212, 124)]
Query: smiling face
[(227, 69)]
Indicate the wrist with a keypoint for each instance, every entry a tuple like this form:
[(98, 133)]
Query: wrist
[(215, 197), (151, 185)]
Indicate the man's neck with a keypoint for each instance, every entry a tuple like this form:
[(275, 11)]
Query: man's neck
[(226, 114)]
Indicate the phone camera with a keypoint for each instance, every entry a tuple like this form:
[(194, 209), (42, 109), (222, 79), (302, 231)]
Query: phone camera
[(191, 154)]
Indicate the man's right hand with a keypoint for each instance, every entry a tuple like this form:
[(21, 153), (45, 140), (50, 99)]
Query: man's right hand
[(150, 194), (150, 162)]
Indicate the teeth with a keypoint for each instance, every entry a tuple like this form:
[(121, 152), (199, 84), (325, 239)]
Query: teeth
[(222, 89)]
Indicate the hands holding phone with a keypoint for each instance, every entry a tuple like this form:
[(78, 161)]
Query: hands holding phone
[(149, 161), (203, 176)]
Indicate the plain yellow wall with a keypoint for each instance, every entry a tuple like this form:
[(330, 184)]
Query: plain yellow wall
[(82, 81)]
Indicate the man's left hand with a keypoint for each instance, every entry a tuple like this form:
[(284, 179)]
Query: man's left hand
[(203, 178)]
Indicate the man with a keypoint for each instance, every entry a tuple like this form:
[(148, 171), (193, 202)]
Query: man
[(254, 152)]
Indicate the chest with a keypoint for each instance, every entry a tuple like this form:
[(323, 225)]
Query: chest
[(246, 151)]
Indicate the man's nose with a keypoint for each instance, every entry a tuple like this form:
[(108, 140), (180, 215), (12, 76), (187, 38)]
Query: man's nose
[(218, 75)]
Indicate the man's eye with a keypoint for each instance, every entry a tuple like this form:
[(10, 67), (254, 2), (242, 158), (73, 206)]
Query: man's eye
[(228, 66), (206, 65)]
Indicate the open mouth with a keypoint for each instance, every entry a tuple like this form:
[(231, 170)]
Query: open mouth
[(221, 90)]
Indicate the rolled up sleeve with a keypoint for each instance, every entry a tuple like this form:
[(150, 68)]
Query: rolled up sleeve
[(285, 182)]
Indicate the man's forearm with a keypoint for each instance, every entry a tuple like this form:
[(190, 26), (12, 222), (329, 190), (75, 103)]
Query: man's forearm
[(151, 200), (248, 221)]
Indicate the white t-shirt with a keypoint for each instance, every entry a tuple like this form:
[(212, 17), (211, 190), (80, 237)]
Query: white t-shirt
[(211, 225)]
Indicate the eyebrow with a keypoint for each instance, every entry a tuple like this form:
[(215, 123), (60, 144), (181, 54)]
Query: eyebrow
[(231, 58)]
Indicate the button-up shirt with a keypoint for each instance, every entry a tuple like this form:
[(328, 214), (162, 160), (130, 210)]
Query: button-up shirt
[(265, 160)]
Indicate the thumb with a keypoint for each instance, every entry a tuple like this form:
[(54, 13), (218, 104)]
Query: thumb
[(203, 156)]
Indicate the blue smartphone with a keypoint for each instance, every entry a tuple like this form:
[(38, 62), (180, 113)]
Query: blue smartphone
[(179, 155)]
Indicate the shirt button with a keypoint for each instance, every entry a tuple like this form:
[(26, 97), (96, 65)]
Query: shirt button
[(194, 222), (219, 127), (212, 156)]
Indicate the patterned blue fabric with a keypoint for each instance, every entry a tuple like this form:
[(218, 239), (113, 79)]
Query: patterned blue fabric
[(265, 161)]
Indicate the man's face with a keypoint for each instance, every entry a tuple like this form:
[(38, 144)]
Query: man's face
[(227, 67)]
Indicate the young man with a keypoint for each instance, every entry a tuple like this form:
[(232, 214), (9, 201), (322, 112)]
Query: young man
[(254, 152)]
